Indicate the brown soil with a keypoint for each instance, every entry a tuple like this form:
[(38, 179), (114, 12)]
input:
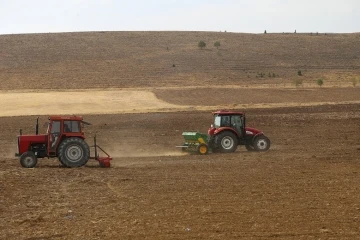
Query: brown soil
[(212, 96), (305, 187)]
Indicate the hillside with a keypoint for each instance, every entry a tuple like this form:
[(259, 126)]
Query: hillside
[(143, 59)]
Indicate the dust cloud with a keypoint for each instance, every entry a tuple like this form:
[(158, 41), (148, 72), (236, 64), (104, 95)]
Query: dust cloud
[(123, 151)]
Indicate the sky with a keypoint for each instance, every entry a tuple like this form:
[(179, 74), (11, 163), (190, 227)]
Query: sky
[(247, 16)]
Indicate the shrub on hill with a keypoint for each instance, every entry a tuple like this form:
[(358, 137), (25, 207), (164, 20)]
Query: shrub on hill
[(201, 44), (320, 82)]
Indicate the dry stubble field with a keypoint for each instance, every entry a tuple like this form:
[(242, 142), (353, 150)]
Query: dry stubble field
[(305, 187)]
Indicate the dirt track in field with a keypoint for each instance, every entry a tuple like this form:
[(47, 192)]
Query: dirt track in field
[(305, 187)]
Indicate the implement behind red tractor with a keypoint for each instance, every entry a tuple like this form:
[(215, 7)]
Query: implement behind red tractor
[(64, 139), (228, 131)]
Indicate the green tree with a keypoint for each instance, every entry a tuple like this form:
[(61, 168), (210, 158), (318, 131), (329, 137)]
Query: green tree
[(320, 82), (299, 73), (217, 44), (201, 44)]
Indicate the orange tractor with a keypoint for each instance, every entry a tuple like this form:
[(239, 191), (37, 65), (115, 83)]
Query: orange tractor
[(64, 140)]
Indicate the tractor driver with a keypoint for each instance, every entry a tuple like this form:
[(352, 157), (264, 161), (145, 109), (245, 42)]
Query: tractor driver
[(226, 121), (66, 128)]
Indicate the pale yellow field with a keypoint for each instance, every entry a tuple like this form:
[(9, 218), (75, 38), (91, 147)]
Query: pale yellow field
[(143, 100)]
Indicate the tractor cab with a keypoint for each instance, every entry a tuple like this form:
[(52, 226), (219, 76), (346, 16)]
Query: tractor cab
[(233, 121), (60, 127)]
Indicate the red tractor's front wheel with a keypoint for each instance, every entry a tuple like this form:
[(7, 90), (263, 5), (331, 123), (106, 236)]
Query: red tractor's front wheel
[(261, 143), (74, 152), (28, 160)]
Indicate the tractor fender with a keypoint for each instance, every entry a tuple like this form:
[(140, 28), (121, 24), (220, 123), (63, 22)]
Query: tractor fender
[(222, 129), (66, 136), (256, 135), (63, 138)]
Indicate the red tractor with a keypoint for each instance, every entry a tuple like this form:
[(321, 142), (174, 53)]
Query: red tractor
[(64, 139), (229, 130)]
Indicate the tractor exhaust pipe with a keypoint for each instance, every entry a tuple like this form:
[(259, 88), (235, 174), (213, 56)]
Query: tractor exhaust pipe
[(37, 126)]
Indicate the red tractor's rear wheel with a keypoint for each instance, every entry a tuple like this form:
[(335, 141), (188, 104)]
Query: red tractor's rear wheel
[(74, 152), (28, 160), (227, 142)]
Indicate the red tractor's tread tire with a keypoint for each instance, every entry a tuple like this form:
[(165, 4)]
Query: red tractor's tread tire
[(79, 145), (62, 164), (25, 157), (226, 134), (261, 138)]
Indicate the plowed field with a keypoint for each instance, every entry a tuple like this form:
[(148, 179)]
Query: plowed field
[(141, 90), (305, 187)]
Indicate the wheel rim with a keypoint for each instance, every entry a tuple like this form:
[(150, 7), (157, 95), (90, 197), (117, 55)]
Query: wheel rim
[(227, 143), (202, 149), (74, 153), (29, 161), (262, 144)]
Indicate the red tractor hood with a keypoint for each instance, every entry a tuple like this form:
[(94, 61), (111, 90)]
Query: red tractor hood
[(25, 141), (252, 131), (34, 138)]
